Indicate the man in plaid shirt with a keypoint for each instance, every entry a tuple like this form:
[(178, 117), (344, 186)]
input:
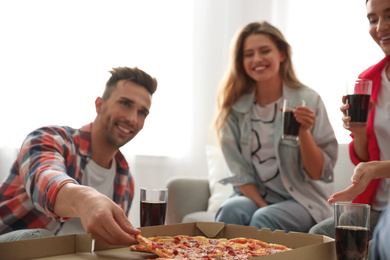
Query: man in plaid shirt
[(63, 174)]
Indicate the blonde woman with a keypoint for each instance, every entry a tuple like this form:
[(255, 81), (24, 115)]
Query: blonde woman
[(279, 184)]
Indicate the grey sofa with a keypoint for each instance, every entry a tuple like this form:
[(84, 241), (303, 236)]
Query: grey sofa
[(188, 200), (188, 197)]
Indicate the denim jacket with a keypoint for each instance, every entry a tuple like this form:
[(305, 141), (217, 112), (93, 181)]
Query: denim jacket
[(236, 141)]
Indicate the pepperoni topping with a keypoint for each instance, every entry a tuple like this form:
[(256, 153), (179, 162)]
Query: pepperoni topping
[(199, 247)]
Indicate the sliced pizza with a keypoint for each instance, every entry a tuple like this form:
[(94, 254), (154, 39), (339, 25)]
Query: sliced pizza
[(199, 247)]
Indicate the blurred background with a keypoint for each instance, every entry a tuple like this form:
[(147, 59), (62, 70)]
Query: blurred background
[(55, 57)]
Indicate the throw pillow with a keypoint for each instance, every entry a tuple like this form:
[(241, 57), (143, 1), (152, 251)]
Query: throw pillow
[(218, 170)]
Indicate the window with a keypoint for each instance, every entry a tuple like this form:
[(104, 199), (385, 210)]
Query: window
[(55, 58)]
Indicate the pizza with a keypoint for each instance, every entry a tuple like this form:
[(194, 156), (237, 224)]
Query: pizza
[(183, 247)]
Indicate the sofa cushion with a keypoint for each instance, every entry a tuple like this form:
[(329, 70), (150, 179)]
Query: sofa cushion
[(199, 216), (217, 170)]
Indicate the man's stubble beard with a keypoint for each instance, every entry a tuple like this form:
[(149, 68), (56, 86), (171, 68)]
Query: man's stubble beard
[(111, 140), (109, 131)]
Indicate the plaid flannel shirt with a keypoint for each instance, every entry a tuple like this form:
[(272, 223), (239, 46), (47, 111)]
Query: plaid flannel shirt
[(49, 158)]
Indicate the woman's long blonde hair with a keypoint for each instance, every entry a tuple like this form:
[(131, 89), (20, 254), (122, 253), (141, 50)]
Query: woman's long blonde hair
[(236, 82)]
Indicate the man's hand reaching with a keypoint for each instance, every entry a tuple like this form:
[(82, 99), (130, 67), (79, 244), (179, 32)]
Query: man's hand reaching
[(99, 215)]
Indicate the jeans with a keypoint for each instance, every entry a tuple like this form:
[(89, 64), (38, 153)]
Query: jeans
[(25, 234), (287, 215)]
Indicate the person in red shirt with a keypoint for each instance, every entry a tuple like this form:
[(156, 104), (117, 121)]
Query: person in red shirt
[(63, 173), (369, 148)]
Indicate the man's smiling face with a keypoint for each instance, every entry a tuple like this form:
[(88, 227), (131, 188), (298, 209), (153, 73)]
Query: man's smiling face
[(123, 114)]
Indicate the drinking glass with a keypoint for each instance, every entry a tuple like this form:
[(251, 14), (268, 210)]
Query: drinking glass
[(352, 223), (153, 206), (358, 98), (289, 123)]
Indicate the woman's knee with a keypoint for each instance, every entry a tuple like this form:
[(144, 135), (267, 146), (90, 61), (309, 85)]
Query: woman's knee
[(236, 210), (326, 228), (262, 219), (287, 215)]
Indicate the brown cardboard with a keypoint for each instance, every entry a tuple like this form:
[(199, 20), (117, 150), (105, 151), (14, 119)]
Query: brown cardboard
[(45, 247), (305, 246)]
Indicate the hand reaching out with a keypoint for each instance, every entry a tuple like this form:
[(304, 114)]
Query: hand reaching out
[(360, 179), (362, 176), (107, 222), (99, 215)]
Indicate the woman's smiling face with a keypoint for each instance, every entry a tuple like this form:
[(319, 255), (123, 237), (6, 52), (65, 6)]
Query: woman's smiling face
[(261, 57), (378, 14)]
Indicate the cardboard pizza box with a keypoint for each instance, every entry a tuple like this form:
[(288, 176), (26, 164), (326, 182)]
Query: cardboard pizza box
[(81, 246)]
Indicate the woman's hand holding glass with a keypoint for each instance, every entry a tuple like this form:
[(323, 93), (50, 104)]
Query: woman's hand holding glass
[(355, 129), (306, 117)]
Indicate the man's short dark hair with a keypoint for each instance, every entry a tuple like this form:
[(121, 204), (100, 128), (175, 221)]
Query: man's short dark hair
[(135, 75)]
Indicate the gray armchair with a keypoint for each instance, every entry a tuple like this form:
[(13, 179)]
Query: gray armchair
[(188, 200)]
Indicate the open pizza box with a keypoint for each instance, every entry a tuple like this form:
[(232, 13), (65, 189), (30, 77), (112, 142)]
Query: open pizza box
[(81, 246)]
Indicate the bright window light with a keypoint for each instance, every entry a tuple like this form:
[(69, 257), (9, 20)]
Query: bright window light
[(55, 58), (329, 48)]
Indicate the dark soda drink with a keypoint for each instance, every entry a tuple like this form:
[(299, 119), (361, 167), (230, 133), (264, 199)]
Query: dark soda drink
[(152, 213), (359, 106), (351, 242), (291, 126)]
